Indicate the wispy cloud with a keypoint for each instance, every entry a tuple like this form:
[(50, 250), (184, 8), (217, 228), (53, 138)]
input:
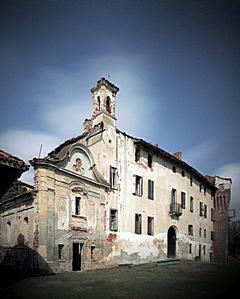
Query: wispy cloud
[(26, 144), (232, 170), (202, 152)]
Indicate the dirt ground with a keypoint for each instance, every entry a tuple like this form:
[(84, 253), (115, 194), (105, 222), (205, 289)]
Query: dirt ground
[(181, 280)]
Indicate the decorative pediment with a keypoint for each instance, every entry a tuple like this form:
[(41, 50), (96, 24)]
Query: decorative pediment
[(80, 162)]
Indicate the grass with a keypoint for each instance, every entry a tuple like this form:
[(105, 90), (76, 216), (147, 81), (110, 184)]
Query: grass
[(183, 280)]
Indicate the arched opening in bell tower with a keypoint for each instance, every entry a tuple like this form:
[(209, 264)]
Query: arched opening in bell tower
[(108, 105)]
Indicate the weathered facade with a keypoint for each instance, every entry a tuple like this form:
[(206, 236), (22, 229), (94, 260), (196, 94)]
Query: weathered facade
[(105, 198)]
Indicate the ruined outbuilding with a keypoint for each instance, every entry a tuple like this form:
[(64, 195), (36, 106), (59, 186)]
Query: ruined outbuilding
[(106, 198)]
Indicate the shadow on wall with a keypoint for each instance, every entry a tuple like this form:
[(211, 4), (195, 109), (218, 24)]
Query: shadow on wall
[(21, 261)]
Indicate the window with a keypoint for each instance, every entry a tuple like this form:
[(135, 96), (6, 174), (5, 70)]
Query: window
[(200, 232), (92, 252), (137, 154), (150, 159), (201, 209), (150, 228), (108, 106), (190, 248), (200, 187), (213, 215), (205, 233), (191, 204), (174, 196), (174, 169), (191, 180), (98, 101), (183, 173), (77, 205), (138, 185), (213, 236), (60, 251), (205, 211), (113, 177), (204, 249), (190, 230), (150, 189), (205, 190), (138, 224), (214, 203), (113, 220), (183, 200)]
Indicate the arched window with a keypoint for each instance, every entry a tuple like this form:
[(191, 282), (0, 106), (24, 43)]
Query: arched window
[(108, 108), (98, 101)]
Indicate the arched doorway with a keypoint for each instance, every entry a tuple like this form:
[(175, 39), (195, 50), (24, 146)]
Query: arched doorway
[(171, 249)]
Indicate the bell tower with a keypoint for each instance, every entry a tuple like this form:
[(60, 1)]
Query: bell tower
[(104, 98)]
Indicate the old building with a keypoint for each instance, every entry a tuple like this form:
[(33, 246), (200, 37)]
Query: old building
[(17, 222), (219, 216), (106, 198)]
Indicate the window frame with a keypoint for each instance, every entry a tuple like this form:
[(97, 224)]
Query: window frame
[(138, 223), (113, 220), (150, 160), (77, 205), (150, 225), (190, 230), (138, 185), (183, 200), (113, 177), (137, 153), (191, 207), (60, 251), (151, 189)]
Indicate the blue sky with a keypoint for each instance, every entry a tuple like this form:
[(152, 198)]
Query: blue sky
[(176, 64)]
